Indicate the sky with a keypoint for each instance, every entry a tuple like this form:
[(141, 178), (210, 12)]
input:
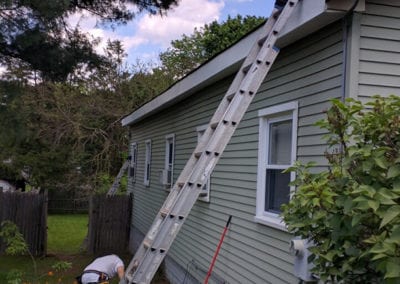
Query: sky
[(146, 36)]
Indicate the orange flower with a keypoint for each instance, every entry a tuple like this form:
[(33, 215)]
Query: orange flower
[(50, 273)]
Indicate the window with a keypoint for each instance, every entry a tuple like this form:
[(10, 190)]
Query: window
[(133, 162), (169, 161), (205, 191), (276, 152), (147, 163)]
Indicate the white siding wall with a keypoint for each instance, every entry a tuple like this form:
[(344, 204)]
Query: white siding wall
[(309, 72)]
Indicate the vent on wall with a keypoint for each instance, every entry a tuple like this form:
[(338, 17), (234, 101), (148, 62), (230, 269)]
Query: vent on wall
[(299, 248)]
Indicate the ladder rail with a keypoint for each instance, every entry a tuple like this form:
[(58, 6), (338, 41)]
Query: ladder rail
[(185, 191), (114, 187)]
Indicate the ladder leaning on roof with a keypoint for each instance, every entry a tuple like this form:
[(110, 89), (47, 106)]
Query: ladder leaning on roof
[(197, 170), (117, 182)]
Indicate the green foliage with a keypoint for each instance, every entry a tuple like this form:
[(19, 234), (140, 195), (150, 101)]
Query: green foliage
[(190, 51), (66, 134), (37, 32), (351, 213), (61, 265), (14, 276), (16, 245), (15, 242)]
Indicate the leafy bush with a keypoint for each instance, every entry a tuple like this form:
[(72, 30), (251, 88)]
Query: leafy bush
[(351, 212), (16, 245)]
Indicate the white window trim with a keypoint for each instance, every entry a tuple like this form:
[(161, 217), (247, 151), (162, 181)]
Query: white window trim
[(206, 198), (133, 161), (167, 138), (147, 163), (278, 112)]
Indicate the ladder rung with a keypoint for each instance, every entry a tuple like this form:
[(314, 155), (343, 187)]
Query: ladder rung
[(262, 40), (230, 96), (246, 68), (214, 125), (146, 244), (164, 212)]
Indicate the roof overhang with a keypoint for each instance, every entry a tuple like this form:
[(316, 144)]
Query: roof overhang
[(308, 17)]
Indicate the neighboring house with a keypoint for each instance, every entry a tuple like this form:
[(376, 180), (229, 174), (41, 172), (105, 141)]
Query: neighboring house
[(324, 55), (6, 186)]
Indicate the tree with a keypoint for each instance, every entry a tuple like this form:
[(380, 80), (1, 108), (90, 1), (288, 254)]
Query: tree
[(351, 212), (190, 51), (36, 32)]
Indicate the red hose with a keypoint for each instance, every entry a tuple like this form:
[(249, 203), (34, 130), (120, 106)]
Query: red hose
[(217, 251)]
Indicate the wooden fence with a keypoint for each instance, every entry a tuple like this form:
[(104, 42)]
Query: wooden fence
[(109, 224), (29, 212)]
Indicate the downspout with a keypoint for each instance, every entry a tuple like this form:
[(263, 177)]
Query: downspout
[(346, 23)]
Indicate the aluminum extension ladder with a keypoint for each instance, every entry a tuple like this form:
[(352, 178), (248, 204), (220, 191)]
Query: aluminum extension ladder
[(117, 182), (200, 165)]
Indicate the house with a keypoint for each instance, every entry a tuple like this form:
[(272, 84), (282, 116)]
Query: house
[(326, 52)]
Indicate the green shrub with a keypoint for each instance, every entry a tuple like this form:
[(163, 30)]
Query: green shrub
[(351, 212)]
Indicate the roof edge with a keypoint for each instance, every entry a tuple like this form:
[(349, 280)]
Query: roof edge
[(308, 16)]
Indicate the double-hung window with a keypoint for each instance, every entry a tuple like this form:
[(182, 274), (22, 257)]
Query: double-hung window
[(169, 160), (205, 191), (133, 162), (277, 152), (147, 163)]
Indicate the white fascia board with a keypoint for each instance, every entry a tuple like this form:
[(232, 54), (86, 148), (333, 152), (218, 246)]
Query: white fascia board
[(308, 16)]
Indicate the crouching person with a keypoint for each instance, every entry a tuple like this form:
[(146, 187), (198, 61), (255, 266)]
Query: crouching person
[(102, 269)]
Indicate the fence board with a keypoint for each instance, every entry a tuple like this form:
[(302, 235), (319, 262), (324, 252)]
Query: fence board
[(29, 212), (109, 224)]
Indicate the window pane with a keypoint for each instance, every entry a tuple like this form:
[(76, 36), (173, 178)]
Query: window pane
[(148, 172), (170, 152), (280, 143), (277, 190)]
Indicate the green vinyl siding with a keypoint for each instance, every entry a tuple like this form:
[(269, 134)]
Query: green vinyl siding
[(379, 49), (309, 72)]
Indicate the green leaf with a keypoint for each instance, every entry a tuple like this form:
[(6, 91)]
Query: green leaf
[(356, 220), (392, 269), (393, 171), (378, 256), (374, 204), (389, 215), (380, 162), (396, 186)]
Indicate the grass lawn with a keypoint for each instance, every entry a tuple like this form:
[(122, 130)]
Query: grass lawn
[(64, 240), (66, 233), (65, 236)]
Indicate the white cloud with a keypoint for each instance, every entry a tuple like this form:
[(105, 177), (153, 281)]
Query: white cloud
[(153, 30), (182, 20)]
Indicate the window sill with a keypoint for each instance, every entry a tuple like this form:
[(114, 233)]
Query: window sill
[(271, 221)]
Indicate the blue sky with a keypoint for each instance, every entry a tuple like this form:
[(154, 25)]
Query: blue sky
[(146, 36)]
